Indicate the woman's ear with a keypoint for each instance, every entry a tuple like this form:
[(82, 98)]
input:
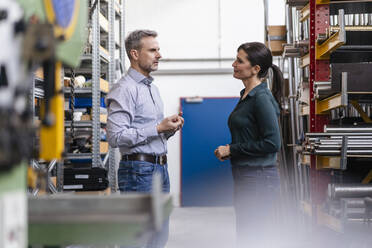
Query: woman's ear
[(256, 69)]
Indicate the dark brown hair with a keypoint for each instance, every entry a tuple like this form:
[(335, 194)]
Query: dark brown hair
[(259, 54)]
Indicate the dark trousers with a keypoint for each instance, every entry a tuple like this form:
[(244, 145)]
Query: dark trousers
[(136, 176), (256, 196)]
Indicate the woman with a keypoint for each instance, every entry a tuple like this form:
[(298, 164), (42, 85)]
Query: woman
[(255, 141)]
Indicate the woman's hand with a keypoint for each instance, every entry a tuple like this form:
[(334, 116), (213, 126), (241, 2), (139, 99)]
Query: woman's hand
[(222, 152)]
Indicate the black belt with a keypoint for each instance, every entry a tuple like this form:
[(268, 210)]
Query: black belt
[(155, 159)]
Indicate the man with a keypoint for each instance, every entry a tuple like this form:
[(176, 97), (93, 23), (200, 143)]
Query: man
[(136, 123)]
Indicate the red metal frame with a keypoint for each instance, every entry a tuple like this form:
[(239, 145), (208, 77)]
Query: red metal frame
[(319, 71)]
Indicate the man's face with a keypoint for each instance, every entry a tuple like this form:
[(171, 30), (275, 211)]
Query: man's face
[(148, 55)]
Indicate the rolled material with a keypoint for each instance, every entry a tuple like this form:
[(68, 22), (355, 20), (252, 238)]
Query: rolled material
[(336, 191)]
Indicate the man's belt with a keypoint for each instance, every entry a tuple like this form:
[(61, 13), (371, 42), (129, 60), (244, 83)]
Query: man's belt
[(154, 159)]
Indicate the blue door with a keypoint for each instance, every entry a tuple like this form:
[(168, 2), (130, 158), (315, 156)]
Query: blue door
[(205, 180)]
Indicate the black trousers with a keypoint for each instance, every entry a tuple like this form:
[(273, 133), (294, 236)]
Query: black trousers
[(256, 198)]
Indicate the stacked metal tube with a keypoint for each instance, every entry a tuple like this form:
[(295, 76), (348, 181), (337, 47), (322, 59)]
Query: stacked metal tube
[(330, 143), (351, 202), (353, 20)]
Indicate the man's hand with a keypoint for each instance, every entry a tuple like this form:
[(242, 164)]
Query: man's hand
[(222, 152), (181, 119), (170, 124)]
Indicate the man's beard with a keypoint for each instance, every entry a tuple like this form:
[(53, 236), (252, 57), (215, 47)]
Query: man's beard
[(148, 68)]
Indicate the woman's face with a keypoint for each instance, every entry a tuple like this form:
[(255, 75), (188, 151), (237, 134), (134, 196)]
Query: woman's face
[(243, 68)]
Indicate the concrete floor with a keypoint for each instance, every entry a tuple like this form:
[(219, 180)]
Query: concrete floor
[(202, 227), (214, 227)]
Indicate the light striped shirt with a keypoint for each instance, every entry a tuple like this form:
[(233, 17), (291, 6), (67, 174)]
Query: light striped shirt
[(134, 110)]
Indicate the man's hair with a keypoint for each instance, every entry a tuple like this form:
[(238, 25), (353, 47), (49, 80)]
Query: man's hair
[(133, 40)]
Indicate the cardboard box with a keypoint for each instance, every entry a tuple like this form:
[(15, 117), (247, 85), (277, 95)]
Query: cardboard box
[(103, 118), (86, 117), (104, 85), (103, 147), (39, 73), (277, 35)]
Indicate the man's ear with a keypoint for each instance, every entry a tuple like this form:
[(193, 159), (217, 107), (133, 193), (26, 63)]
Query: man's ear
[(134, 54)]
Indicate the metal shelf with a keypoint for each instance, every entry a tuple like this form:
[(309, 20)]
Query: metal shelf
[(352, 28), (325, 105), (117, 8), (305, 60), (329, 221), (336, 40), (78, 156), (298, 3), (78, 124), (103, 22), (78, 91), (103, 54), (305, 13), (324, 50), (83, 124), (100, 59), (86, 91)]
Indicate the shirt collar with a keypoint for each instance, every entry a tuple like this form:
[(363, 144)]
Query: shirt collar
[(138, 77), (255, 89)]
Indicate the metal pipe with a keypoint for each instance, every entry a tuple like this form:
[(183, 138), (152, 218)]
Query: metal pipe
[(337, 152), (357, 19), (320, 88), (327, 146), (289, 12), (351, 138), (337, 138), (335, 20), (355, 213), (347, 129), (322, 83), (266, 22), (340, 142), (352, 203), (338, 134), (359, 138), (336, 191)]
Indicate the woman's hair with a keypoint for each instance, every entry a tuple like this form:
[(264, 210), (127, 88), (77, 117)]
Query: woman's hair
[(259, 54)]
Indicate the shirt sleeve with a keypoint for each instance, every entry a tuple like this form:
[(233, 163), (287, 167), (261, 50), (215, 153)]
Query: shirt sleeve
[(169, 134), (121, 111), (267, 120)]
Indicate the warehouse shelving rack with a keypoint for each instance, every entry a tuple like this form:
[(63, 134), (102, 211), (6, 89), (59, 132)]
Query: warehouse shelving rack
[(314, 37), (99, 61)]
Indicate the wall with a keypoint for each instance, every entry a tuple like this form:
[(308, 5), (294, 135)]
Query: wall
[(196, 34)]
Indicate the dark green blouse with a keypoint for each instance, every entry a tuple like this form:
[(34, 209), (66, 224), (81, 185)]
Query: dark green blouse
[(254, 129)]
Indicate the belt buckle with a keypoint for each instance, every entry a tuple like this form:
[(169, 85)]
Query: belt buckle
[(161, 160)]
